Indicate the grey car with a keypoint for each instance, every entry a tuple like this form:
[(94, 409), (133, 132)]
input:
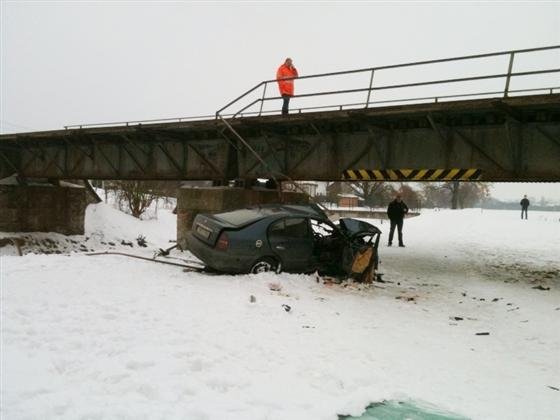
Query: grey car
[(291, 238)]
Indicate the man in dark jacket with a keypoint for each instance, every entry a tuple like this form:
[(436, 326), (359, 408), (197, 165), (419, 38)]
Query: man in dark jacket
[(524, 206), (396, 211)]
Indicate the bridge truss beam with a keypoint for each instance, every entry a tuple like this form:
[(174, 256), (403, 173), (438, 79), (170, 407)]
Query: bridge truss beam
[(510, 139)]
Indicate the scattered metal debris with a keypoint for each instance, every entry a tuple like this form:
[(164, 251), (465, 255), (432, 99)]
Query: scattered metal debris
[(539, 287), (187, 266), (406, 298), (165, 252)]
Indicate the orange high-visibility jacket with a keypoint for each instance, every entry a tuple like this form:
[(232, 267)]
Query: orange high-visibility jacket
[(286, 86)]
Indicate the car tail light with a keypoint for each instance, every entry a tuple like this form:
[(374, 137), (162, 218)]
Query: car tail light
[(223, 242)]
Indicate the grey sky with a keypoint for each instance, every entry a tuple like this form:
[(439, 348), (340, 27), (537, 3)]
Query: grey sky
[(86, 62)]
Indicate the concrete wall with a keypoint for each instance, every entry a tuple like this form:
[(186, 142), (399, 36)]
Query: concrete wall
[(191, 201), (42, 208), (360, 214)]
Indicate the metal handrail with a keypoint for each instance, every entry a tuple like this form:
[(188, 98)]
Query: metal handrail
[(140, 122), (415, 63), (387, 101), (370, 89), (399, 86), (422, 99), (508, 75)]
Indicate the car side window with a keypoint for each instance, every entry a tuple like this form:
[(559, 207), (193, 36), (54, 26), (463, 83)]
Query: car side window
[(321, 229), (289, 228)]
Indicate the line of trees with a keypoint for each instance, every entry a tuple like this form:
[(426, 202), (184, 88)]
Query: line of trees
[(452, 194), (135, 197)]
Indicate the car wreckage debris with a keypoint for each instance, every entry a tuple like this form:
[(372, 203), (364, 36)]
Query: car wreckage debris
[(185, 266), (285, 238), (539, 287)]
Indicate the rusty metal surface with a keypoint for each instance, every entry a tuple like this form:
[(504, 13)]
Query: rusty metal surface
[(508, 139)]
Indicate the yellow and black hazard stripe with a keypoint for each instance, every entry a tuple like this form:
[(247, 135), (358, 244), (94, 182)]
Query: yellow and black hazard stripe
[(411, 174)]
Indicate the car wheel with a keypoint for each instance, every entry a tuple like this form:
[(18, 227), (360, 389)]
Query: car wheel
[(265, 265)]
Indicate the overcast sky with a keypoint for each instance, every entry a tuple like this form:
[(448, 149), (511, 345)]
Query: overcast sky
[(86, 62)]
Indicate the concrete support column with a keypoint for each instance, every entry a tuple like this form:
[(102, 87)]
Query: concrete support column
[(191, 201), (42, 208)]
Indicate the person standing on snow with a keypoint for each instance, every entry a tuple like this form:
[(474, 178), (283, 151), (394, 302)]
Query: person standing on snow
[(524, 206), (286, 71), (396, 211)]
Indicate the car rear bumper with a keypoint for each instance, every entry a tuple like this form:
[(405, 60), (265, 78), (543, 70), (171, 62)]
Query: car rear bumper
[(217, 260)]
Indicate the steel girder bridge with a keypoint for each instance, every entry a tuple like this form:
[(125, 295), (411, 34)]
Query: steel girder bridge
[(493, 135)]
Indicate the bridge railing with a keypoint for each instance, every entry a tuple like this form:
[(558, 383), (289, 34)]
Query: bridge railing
[(252, 102), (368, 92)]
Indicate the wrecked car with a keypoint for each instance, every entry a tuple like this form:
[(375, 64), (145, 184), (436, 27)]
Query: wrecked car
[(290, 238)]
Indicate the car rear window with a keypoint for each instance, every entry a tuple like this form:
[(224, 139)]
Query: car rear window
[(239, 217)]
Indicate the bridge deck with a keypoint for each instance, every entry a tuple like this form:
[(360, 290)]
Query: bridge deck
[(510, 139)]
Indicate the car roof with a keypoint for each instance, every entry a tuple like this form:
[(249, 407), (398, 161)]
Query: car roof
[(252, 214)]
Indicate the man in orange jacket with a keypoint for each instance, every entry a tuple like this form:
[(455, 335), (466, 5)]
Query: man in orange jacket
[(286, 71)]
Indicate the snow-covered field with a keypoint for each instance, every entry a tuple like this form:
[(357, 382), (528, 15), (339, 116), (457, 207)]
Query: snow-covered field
[(107, 337)]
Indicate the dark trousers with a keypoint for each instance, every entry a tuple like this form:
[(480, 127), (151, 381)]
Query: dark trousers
[(523, 211), (286, 104), (398, 224)]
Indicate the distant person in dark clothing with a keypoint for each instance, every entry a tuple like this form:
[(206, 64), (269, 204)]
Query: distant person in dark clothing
[(396, 211), (524, 206)]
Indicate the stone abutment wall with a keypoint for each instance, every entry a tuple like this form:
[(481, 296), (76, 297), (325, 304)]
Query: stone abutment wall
[(42, 208)]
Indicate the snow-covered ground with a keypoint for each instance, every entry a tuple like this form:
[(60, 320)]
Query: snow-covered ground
[(106, 229), (107, 337)]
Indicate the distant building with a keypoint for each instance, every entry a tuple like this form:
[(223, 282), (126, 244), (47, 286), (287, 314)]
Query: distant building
[(309, 187), (334, 189), (347, 200)]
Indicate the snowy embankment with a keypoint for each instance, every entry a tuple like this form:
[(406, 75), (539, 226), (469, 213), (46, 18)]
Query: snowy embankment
[(109, 337), (105, 229)]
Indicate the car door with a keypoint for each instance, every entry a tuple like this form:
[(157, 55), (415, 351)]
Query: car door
[(291, 240)]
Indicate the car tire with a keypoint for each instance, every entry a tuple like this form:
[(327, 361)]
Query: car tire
[(264, 265)]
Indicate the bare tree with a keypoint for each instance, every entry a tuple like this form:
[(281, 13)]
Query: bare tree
[(137, 196), (433, 195), (333, 190), (455, 194), (410, 196), (374, 193), (470, 193)]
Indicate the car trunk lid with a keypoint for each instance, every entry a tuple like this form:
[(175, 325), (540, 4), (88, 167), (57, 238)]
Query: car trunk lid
[(208, 229)]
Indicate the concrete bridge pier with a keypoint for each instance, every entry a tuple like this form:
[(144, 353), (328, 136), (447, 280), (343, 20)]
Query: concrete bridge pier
[(42, 207), (191, 201)]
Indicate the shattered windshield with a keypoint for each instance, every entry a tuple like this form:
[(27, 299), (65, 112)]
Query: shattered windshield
[(355, 226)]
